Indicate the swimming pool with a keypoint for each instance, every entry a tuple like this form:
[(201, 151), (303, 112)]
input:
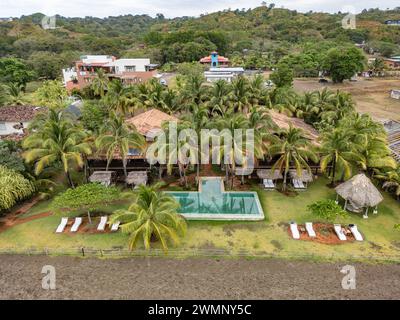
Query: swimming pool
[(211, 202)]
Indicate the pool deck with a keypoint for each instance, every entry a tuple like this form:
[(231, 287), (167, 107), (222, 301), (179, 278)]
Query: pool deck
[(224, 216)]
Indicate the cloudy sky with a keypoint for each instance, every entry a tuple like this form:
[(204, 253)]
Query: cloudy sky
[(170, 8)]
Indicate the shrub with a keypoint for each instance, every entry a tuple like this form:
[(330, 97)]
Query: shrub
[(327, 210), (14, 187)]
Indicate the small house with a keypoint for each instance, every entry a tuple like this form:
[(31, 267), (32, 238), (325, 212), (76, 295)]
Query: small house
[(395, 94), (14, 119)]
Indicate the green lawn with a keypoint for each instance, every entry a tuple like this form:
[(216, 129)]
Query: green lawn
[(252, 238)]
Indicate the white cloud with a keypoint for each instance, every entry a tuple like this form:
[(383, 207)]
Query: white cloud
[(170, 8)]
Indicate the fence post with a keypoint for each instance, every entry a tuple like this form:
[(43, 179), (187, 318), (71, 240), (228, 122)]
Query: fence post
[(83, 251)]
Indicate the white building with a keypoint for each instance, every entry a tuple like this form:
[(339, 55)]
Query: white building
[(395, 94), (227, 74), (120, 66), (14, 119)]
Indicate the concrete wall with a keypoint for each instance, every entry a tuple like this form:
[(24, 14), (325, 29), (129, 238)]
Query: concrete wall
[(9, 128), (122, 64)]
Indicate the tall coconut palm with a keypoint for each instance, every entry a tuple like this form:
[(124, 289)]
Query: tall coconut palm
[(240, 94), (256, 87), (375, 154), (197, 120), (100, 83), (58, 141), (338, 150), (119, 99), (116, 137), (152, 216), (292, 149), (14, 94), (219, 102), (194, 90), (229, 123)]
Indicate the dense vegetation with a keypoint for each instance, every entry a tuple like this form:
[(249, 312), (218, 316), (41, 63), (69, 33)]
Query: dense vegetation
[(257, 38)]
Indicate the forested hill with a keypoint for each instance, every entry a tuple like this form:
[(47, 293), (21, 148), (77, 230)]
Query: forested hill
[(262, 32)]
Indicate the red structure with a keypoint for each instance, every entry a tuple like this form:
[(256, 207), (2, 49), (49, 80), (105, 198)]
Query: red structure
[(214, 57)]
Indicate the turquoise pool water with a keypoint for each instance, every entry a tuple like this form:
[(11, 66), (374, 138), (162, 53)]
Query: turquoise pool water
[(212, 202)]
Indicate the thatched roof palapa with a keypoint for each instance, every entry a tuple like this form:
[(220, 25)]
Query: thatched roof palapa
[(360, 191), (137, 178), (243, 171), (305, 175), (103, 177), (269, 174)]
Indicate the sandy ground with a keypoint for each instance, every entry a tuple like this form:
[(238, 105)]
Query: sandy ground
[(371, 96), (161, 278)]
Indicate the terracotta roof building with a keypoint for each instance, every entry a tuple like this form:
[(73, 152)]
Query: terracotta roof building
[(149, 123), (14, 119)]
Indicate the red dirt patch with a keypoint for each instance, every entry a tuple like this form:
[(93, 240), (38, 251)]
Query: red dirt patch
[(85, 227), (325, 234), (13, 221)]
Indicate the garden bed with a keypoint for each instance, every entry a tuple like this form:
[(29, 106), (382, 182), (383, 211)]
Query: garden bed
[(325, 234)]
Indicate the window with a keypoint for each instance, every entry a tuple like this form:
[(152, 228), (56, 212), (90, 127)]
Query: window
[(133, 152), (3, 126), (130, 68)]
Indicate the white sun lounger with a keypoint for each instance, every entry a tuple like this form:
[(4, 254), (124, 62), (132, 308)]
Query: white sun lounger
[(115, 226), (357, 235), (102, 223), (77, 223), (310, 229), (294, 230), (268, 184), (62, 225), (339, 232), (301, 184)]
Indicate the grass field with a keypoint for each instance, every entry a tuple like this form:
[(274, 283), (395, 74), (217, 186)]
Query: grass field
[(253, 238)]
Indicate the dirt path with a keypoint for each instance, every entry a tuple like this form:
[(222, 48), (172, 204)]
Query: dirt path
[(152, 278), (12, 218)]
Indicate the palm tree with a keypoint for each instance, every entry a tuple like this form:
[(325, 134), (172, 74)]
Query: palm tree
[(99, 83), (229, 122), (240, 94), (58, 141), (194, 89), (338, 150), (375, 153), (197, 120), (391, 180), (292, 149), (116, 137), (256, 89), (171, 103), (15, 94), (119, 99), (152, 216), (219, 102)]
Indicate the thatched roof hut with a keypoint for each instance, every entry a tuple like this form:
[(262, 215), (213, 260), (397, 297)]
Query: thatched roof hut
[(103, 177), (269, 174), (359, 192), (243, 171), (305, 175), (137, 178)]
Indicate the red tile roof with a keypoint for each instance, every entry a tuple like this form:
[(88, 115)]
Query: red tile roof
[(208, 59), (18, 113)]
